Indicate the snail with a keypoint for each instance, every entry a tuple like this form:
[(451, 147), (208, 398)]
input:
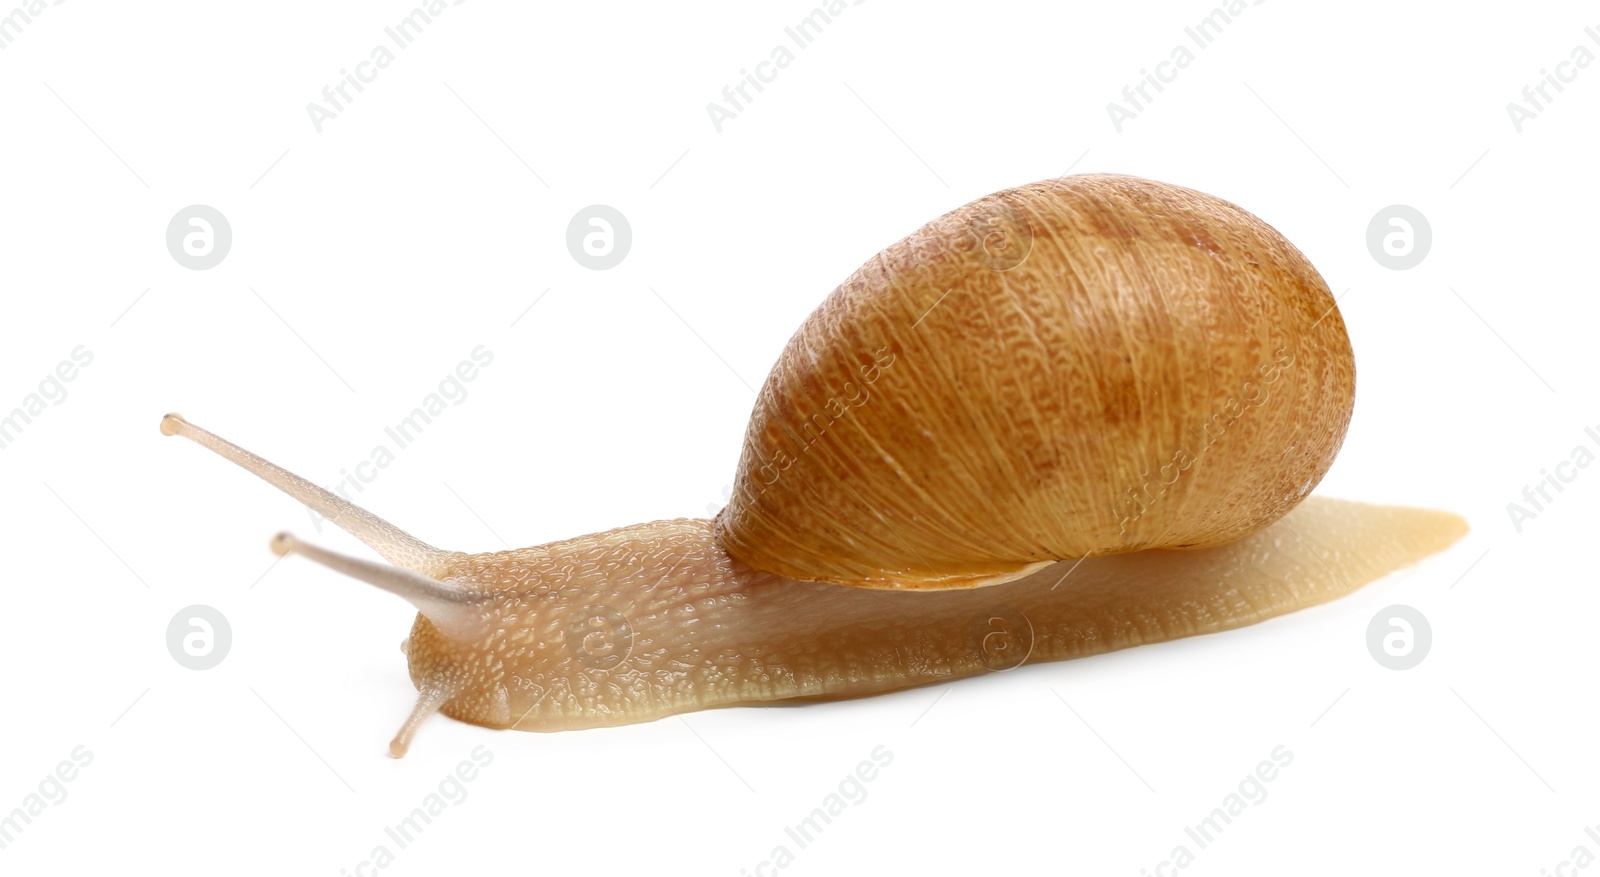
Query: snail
[(1073, 416)]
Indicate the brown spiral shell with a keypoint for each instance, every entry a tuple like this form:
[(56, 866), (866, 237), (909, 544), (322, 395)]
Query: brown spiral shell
[(1088, 365)]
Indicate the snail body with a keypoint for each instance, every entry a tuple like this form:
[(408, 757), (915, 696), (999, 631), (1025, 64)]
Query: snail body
[(1022, 411)]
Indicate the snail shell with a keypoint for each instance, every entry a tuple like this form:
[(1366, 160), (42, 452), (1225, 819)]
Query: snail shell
[(1090, 365)]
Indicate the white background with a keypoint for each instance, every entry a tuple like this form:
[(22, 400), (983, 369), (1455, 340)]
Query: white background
[(372, 257)]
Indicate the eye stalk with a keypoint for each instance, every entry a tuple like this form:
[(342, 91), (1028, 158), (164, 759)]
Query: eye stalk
[(451, 606), (396, 545)]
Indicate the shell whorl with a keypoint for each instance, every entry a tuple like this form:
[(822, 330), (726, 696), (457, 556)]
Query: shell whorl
[(1090, 365)]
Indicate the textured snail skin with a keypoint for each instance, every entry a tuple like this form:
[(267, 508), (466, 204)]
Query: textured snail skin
[(1022, 412), (676, 625)]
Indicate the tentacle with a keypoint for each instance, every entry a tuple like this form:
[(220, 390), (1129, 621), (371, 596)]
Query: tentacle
[(396, 545), (454, 607), (430, 698)]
